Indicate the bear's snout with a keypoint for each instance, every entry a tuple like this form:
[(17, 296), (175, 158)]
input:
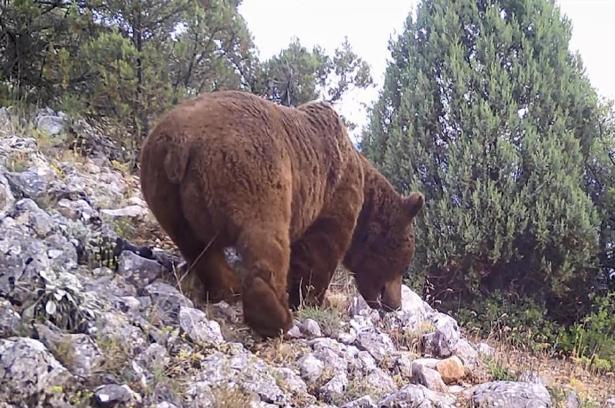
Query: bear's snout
[(391, 295)]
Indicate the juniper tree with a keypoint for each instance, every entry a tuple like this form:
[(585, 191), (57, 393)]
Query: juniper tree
[(486, 111)]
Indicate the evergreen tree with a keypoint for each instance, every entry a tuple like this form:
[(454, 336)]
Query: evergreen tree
[(486, 111), (297, 75)]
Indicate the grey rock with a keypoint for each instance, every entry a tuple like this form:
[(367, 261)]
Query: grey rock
[(27, 184), (573, 400), (127, 304), (62, 254), (467, 353), (116, 329), (363, 362), (28, 370), (417, 396), (311, 328), (22, 259), (289, 380), (114, 287), (201, 393), (610, 403), (378, 344), (334, 361), (16, 144), (232, 313), (164, 405), (9, 319), (232, 257), (244, 369), (28, 213), (76, 210), (403, 365), (154, 358), (363, 402), (360, 323), (327, 343), (412, 304), (167, 300), (381, 381), (131, 211), (137, 270), (310, 368), (78, 352), (112, 395), (506, 394), (358, 305), (200, 329), (428, 377), (334, 388), (347, 337), (7, 200), (427, 362), (50, 123), (294, 332), (442, 342), (5, 117)]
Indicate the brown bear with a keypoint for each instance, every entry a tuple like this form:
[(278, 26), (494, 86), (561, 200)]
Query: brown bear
[(286, 188)]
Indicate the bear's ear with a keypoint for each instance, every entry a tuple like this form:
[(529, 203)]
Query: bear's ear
[(413, 203)]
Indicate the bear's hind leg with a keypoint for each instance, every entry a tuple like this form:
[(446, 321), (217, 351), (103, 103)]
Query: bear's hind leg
[(265, 252), (209, 275)]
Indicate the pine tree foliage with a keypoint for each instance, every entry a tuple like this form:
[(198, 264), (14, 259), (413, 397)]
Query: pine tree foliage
[(486, 111)]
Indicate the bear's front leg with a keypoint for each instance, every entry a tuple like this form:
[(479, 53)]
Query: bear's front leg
[(266, 252), (315, 257)]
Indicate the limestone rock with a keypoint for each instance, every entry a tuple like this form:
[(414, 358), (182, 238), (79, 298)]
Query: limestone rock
[(78, 352), (112, 395), (137, 270), (417, 396), (28, 370), (509, 394), (200, 329), (428, 377)]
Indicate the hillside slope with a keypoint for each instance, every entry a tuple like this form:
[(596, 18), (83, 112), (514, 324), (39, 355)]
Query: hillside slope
[(91, 313)]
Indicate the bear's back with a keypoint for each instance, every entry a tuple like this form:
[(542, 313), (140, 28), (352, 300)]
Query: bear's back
[(232, 135)]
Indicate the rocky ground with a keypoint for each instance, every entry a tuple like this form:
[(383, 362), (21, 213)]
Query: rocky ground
[(88, 318)]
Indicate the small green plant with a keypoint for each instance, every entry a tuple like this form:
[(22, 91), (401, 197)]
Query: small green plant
[(328, 319), (498, 371), (410, 338), (124, 228), (81, 398), (358, 388), (591, 342), (18, 163), (61, 305)]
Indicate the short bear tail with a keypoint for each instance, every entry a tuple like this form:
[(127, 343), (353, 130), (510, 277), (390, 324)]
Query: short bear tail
[(176, 162), (414, 203)]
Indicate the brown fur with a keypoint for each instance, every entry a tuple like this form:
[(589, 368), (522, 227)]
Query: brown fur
[(287, 188)]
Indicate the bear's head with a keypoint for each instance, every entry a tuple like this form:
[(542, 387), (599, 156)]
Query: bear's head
[(382, 248)]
